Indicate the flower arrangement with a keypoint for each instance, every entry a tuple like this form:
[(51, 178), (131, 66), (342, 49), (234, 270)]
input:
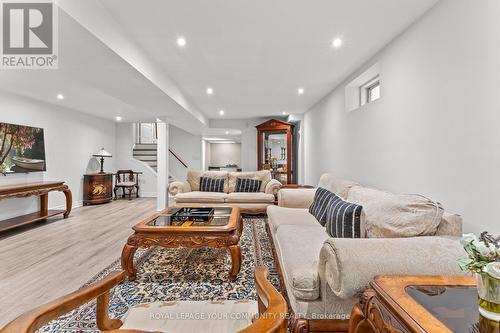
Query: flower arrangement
[(481, 251)]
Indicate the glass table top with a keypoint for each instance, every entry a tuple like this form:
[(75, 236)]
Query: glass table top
[(454, 306), (193, 217)]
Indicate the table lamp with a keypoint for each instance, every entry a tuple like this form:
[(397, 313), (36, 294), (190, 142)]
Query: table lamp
[(102, 154)]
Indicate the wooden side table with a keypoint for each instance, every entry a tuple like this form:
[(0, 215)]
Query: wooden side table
[(97, 188), (420, 304)]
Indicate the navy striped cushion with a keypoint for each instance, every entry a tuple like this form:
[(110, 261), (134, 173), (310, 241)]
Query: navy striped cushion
[(343, 219), (247, 185), (211, 184), (320, 203)]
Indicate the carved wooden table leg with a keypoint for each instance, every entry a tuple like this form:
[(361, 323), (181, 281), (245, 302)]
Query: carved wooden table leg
[(235, 252), (44, 204), (69, 201), (128, 261)]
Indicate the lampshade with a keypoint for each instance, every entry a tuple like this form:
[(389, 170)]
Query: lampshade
[(102, 153)]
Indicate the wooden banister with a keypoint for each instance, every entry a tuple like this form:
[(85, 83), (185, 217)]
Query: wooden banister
[(178, 158)]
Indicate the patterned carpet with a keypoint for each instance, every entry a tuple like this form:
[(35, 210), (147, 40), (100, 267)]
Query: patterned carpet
[(183, 274)]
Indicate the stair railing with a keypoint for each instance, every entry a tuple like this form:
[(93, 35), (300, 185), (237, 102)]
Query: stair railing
[(178, 158)]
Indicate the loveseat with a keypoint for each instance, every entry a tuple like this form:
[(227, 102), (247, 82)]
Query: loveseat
[(324, 276), (188, 192)]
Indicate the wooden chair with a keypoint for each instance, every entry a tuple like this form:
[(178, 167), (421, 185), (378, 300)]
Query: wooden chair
[(271, 305), (127, 180)]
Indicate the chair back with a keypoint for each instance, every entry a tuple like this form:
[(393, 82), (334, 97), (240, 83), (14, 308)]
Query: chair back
[(126, 176), (272, 308)]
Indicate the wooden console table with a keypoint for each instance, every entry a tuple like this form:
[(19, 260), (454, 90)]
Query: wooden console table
[(42, 190)]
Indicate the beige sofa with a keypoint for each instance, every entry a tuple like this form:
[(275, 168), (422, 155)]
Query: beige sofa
[(324, 276), (187, 192)]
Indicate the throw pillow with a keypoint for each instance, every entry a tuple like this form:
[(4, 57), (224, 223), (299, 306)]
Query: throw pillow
[(247, 185), (344, 219), (320, 203), (211, 184)]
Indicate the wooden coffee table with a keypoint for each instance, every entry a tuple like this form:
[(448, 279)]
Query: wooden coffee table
[(222, 230), (443, 304)]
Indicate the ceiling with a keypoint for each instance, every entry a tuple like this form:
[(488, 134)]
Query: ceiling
[(119, 58), (256, 54)]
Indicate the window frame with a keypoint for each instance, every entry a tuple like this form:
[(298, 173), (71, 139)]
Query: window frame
[(365, 90)]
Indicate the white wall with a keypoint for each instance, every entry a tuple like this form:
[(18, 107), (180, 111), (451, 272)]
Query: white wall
[(435, 130), (71, 138), (208, 154), (188, 147), (222, 154), (124, 160)]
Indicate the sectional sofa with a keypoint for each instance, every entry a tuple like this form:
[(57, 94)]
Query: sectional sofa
[(324, 276), (188, 192)]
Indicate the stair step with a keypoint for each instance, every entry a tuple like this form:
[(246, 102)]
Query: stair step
[(145, 158), (144, 152), (145, 146)]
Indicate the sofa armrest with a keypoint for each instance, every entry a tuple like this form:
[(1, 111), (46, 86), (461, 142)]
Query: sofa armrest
[(179, 187), (348, 265), (273, 187), (296, 198)]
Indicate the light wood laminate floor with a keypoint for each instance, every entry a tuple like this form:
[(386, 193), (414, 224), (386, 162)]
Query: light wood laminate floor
[(41, 262)]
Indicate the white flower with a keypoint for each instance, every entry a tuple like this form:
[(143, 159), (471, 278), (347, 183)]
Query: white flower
[(467, 238), (482, 248), (493, 269)]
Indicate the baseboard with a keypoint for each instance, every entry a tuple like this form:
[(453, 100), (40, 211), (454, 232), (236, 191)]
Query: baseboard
[(76, 204)]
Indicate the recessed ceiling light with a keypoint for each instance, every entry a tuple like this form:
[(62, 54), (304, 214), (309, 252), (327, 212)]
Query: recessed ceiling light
[(181, 41), (118, 118), (227, 132), (337, 42), (300, 91), (210, 91), (60, 96), (221, 112), (283, 113), (158, 120)]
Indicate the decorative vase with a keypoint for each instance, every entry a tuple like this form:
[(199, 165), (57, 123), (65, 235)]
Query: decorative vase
[(488, 288)]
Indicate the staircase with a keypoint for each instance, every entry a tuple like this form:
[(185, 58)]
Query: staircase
[(146, 152)]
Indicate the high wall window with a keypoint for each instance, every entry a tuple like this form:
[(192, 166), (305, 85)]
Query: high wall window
[(364, 89)]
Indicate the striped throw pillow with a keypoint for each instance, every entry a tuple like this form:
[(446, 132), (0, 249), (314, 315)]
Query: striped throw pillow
[(247, 185), (343, 219), (211, 184), (320, 204)]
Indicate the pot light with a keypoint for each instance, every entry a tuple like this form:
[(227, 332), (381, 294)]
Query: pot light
[(283, 113), (181, 41), (337, 42), (227, 132), (210, 91), (60, 96), (300, 91), (221, 112), (118, 118)]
